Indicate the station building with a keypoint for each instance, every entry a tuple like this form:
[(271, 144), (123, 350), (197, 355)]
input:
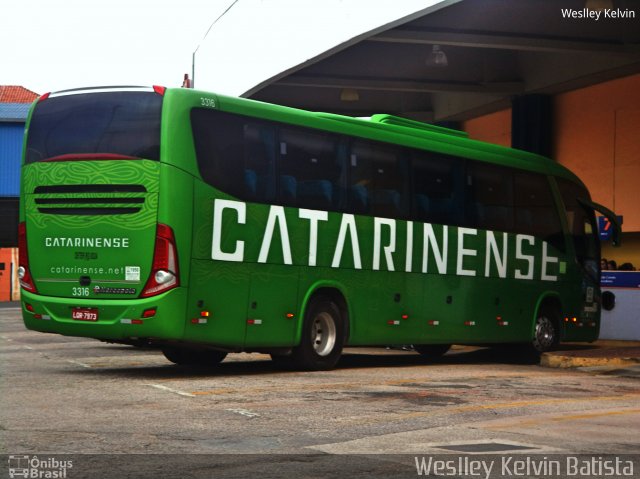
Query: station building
[(14, 107)]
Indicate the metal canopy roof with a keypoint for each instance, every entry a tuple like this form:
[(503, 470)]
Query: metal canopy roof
[(495, 49)]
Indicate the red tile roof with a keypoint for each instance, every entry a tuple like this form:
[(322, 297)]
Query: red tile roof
[(16, 94)]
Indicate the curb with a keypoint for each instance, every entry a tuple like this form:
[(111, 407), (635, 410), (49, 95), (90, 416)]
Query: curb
[(558, 360)]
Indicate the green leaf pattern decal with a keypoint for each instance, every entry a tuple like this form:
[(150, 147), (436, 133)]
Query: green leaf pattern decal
[(139, 172)]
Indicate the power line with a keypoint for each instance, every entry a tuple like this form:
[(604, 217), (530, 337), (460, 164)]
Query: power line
[(216, 21), (193, 57)]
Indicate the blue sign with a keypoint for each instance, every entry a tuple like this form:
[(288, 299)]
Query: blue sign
[(605, 227), (620, 279)]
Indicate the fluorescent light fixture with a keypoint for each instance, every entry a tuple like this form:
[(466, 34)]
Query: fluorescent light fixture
[(349, 94), (437, 57)]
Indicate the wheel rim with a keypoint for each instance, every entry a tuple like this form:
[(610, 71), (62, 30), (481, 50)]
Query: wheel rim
[(545, 334), (323, 334)]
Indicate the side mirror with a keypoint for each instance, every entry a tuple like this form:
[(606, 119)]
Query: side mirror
[(608, 300)]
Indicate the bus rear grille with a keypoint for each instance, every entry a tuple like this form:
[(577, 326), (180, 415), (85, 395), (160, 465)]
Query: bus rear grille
[(90, 189), (88, 211), (90, 200)]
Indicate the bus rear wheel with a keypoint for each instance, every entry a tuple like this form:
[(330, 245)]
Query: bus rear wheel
[(431, 351), (322, 336), (193, 357)]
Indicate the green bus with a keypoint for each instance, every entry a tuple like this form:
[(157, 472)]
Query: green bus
[(202, 224)]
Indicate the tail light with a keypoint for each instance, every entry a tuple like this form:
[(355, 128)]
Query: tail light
[(23, 260), (164, 272)]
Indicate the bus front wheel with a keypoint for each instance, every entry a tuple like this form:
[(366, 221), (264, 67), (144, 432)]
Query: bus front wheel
[(193, 357), (545, 335), (322, 336)]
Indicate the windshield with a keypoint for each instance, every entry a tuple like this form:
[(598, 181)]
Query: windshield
[(114, 124), (582, 225)]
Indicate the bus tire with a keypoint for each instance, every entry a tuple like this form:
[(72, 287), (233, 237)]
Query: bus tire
[(431, 351), (322, 336), (193, 357), (545, 334)]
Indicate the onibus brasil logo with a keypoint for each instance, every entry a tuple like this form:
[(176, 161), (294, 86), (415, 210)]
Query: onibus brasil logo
[(33, 467)]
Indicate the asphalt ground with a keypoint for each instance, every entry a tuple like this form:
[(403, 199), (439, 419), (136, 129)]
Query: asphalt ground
[(118, 411)]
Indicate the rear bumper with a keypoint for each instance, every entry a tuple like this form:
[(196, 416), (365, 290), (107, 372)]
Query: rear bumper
[(120, 319), (583, 329)]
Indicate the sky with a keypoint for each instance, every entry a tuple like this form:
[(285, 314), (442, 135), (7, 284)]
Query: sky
[(48, 45)]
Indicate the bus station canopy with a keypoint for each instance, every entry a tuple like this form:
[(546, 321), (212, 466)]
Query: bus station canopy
[(462, 58)]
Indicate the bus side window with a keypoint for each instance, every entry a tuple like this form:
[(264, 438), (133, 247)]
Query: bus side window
[(491, 197), (218, 143), (379, 180), (535, 211), (259, 162), (309, 174), (359, 183), (438, 188)]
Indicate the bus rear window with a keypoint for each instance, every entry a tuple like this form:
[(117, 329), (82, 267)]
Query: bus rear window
[(122, 123)]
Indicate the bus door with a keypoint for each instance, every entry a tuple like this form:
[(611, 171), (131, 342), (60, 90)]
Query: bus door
[(587, 254), (592, 243)]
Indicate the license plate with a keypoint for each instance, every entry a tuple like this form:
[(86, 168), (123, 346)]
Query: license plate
[(85, 314)]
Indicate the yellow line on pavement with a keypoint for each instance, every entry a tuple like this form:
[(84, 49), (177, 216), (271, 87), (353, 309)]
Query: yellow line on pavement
[(481, 407), (572, 417), (596, 414)]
